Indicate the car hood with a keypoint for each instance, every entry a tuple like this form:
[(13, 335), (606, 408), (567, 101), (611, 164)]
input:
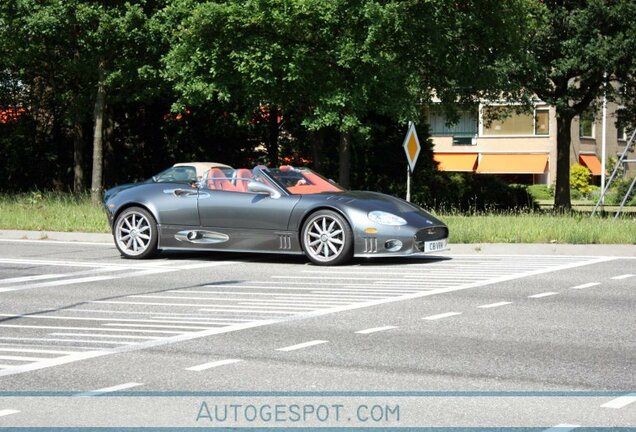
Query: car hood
[(110, 193), (369, 201)]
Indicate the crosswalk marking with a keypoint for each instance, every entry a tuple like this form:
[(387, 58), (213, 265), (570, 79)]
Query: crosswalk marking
[(31, 278), (151, 319)]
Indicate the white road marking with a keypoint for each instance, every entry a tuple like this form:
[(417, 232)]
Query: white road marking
[(441, 316), (35, 351), (168, 321), (277, 285), (375, 329), (213, 364), (96, 335), (22, 358), (203, 317), (562, 428), (209, 307), (32, 278), (213, 299), (346, 278), (545, 294), (109, 389), (103, 265), (59, 282), (494, 305), (317, 292), (268, 312), (621, 401), (173, 315), (81, 328), (302, 345), (205, 265), (621, 277), (586, 285), (66, 340), (162, 326), (39, 346), (426, 274), (387, 286), (6, 412)]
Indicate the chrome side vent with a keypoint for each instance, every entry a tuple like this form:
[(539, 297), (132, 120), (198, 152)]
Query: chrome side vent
[(285, 241), (370, 245)]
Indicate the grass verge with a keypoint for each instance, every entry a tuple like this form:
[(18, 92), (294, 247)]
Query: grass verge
[(540, 228), (40, 211), (50, 211)]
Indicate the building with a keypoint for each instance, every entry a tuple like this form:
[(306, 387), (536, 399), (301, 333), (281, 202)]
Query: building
[(521, 146)]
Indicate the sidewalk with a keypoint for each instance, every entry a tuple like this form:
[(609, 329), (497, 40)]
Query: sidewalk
[(625, 250)]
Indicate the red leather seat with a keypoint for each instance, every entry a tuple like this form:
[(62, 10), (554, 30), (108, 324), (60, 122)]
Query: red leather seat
[(242, 177), (217, 180)]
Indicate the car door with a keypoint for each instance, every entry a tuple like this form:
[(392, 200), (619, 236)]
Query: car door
[(244, 210)]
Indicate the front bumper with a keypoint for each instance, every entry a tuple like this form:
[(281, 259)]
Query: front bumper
[(411, 241)]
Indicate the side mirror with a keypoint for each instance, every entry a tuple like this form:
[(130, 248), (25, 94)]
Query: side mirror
[(258, 187)]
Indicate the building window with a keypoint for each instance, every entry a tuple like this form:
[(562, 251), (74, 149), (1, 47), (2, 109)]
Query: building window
[(586, 124), (466, 126), (542, 122), (500, 121)]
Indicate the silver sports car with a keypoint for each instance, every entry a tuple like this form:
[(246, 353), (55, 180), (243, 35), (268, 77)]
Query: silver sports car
[(279, 210)]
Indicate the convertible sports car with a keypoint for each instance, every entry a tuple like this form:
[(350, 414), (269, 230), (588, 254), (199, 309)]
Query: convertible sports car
[(279, 210)]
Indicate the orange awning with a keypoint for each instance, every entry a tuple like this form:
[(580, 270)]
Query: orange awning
[(456, 161), (518, 163), (592, 162)]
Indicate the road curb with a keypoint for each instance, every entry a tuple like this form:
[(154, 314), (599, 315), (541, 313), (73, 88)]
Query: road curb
[(625, 250), (57, 236)]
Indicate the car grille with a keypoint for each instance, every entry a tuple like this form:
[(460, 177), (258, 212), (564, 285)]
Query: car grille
[(429, 234)]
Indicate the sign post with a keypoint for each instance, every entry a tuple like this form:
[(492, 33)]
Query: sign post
[(412, 149)]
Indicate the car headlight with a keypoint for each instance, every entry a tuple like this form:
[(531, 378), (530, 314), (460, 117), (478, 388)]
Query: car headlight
[(385, 218)]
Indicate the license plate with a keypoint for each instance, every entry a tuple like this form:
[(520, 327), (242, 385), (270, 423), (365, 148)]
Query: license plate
[(434, 246)]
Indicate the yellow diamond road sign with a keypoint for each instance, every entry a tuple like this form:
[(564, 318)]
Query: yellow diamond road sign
[(412, 146)]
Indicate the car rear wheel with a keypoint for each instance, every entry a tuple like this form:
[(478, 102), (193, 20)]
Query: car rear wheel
[(327, 238), (136, 233)]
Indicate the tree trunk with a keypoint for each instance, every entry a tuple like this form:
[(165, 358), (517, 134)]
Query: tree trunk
[(316, 139), (562, 189), (107, 147), (78, 154), (98, 156), (344, 160), (272, 135)]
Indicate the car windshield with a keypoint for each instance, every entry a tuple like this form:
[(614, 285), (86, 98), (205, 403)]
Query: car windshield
[(176, 174), (302, 181)]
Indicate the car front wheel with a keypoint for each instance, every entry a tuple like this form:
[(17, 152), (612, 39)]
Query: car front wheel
[(136, 233), (327, 238)]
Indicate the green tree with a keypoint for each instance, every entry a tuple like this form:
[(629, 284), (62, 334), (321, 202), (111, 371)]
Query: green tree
[(578, 51), (69, 56), (335, 63)]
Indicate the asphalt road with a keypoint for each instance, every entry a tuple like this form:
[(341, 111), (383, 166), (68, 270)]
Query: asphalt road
[(453, 340)]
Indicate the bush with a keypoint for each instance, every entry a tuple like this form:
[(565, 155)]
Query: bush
[(580, 179), (474, 193), (618, 190), (541, 192)]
